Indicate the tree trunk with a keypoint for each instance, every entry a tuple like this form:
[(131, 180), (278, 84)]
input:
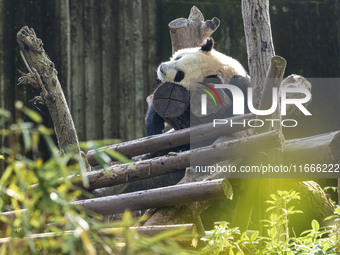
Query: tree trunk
[(260, 50), (259, 43), (44, 72)]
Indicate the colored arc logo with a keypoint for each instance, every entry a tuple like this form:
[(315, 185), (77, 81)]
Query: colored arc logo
[(209, 93)]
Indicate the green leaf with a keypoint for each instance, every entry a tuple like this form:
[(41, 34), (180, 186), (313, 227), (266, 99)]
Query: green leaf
[(5, 113), (315, 225), (273, 196), (270, 208), (331, 217), (118, 156), (337, 210), (254, 236), (273, 233), (5, 176), (36, 117)]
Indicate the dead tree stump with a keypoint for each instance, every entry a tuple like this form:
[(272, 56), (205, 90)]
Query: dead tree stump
[(191, 32)]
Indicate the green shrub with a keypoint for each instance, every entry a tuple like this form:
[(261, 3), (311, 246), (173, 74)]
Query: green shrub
[(277, 240), (50, 224)]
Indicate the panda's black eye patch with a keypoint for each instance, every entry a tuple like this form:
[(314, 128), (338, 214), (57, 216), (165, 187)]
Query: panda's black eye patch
[(177, 58), (179, 76)]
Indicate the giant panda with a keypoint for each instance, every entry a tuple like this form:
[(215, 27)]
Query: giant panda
[(196, 63)]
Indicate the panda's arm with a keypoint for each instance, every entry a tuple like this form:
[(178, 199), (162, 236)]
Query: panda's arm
[(154, 124)]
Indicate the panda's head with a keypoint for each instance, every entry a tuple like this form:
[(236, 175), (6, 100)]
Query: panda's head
[(191, 64)]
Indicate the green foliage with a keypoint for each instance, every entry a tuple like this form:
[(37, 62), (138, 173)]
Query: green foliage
[(41, 193), (225, 240), (317, 240), (46, 221)]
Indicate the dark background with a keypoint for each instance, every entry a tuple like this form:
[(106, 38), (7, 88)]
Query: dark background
[(106, 53)]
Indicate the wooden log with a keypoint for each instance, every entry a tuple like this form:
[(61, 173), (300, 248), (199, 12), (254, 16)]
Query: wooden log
[(45, 74), (171, 140), (295, 81), (171, 102), (191, 32), (260, 48), (324, 148), (161, 197), (314, 202), (124, 173), (181, 108), (273, 80), (316, 149)]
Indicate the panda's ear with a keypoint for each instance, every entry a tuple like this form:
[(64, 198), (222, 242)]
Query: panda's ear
[(208, 44)]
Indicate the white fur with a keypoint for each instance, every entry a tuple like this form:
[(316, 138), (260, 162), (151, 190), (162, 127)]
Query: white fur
[(197, 64)]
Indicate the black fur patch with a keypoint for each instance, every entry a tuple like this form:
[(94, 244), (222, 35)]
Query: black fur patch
[(208, 45), (154, 124), (243, 83), (179, 76)]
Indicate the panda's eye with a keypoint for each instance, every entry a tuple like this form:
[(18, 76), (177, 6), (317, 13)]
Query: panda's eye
[(177, 58), (179, 76)]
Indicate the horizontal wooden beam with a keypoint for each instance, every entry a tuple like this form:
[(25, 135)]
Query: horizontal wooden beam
[(169, 140), (123, 173), (161, 197), (323, 148)]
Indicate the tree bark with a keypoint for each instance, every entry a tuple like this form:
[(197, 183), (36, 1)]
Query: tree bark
[(42, 68)]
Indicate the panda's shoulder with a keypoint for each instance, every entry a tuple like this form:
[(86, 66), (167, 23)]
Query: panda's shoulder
[(228, 62), (222, 57)]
